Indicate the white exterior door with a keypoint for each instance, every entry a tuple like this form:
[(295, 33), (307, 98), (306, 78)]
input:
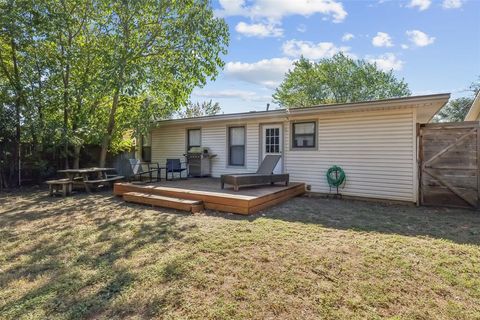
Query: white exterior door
[(272, 143)]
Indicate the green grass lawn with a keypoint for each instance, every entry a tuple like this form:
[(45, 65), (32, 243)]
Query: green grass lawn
[(96, 257)]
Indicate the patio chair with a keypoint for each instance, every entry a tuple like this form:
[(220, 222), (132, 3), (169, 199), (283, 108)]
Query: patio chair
[(175, 166), (155, 166), (138, 171), (264, 175)]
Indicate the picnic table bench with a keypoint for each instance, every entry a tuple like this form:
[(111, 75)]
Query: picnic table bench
[(61, 185), (108, 180), (86, 177)]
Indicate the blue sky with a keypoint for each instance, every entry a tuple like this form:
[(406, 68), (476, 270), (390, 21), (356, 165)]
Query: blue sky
[(433, 44)]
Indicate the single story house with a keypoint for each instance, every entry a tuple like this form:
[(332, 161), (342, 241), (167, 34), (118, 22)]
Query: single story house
[(474, 111), (375, 142)]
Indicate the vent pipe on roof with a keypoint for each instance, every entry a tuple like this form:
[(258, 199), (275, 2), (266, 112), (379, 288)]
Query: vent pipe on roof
[(268, 106)]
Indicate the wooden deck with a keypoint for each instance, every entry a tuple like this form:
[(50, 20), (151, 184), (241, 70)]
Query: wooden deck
[(246, 201)]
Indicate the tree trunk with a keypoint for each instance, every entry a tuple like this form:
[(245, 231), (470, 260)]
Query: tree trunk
[(76, 159), (111, 120), (65, 115), (66, 97), (18, 101), (15, 178), (111, 125), (3, 183), (65, 140)]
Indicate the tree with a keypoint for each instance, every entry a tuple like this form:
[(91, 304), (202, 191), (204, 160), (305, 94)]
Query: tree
[(456, 109), (339, 79), (75, 72), (12, 40), (197, 109), (75, 66), (163, 47), (7, 135)]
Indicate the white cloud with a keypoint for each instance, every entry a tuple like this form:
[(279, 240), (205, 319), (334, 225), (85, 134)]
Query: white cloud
[(275, 10), (421, 4), (419, 38), (387, 62), (404, 46), (259, 30), (310, 50), (452, 4), (302, 28), (382, 39), (347, 37), (267, 72), (232, 8), (244, 95)]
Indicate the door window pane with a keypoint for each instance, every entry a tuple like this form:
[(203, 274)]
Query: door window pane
[(272, 140)]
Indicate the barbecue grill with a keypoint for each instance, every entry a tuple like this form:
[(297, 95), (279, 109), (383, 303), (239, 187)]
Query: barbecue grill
[(199, 161)]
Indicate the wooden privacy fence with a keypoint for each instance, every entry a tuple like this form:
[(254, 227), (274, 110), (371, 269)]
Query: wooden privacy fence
[(450, 164)]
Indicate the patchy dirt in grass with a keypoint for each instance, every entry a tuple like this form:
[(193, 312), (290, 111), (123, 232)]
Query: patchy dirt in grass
[(95, 257)]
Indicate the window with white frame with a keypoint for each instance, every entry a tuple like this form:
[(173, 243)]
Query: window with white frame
[(236, 146), (304, 135), (194, 138)]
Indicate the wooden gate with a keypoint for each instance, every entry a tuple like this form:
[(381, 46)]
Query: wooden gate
[(450, 164)]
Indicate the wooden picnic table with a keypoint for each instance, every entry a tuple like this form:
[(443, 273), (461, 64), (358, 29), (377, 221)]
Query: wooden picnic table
[(83, 176)]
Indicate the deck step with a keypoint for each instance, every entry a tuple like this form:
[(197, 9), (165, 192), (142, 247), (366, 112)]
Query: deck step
[(162, 201)]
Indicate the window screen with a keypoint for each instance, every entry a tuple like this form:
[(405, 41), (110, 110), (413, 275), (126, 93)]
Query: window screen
[(236, 146), (303, 135), (194, 138)]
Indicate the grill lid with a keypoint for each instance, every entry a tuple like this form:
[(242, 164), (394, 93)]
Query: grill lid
[(204, 150)]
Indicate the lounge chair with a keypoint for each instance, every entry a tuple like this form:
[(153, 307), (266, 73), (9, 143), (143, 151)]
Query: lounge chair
[(264, 175)]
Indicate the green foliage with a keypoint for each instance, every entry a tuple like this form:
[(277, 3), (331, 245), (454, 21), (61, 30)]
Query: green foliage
[(79, 72), (165, 48), (200, 109), (339, 79), (456, 109), (475, 87)]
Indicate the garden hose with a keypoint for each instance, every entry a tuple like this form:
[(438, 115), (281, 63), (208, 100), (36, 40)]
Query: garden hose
[(336, 176)]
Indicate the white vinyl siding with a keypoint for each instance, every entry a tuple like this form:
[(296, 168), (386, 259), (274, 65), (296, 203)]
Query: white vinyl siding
[(376, 149), (170, 142), (214, 136)]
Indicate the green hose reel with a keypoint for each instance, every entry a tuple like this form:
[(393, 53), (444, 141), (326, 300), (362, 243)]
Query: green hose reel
[(336, 178)]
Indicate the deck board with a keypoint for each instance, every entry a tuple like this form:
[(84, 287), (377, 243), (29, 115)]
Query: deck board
[(245, 201), (162, 201)]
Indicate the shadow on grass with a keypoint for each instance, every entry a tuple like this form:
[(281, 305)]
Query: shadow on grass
[(457, 225), (80, 251), (77, 253)]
